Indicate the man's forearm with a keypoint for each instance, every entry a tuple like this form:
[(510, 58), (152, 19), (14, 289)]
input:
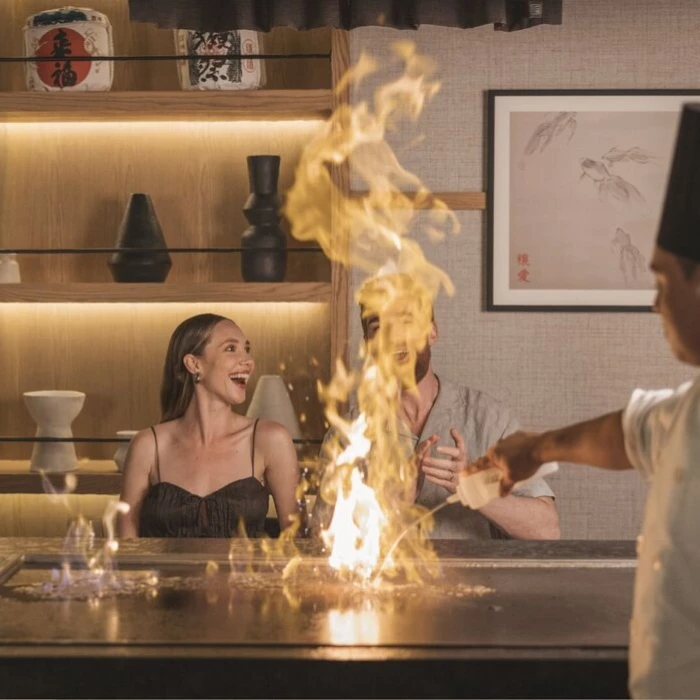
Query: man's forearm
[(524, 518), (599, 442)]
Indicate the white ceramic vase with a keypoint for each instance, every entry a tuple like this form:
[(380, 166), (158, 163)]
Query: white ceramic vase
[(63, 34), (9, 269), (224, 73), (120, 455), (54, 412)]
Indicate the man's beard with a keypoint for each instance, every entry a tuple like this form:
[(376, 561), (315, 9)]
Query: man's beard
[(422, 363)]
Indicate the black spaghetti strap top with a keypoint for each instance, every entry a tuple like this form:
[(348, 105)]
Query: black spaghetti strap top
[(169, 510)]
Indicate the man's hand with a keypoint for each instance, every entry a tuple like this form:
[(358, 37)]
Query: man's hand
[(444, 472), (515, 456)]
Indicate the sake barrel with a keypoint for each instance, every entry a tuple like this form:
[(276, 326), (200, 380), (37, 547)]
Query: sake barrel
[(64, 35), (219, 73)]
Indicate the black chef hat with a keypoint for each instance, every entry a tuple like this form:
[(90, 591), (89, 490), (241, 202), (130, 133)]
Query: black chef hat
[(679, 231)]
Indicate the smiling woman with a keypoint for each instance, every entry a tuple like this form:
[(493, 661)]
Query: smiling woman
[(204, 470)]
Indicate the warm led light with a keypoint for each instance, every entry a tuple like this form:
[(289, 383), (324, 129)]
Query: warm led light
[(146, 309), (165, 129)]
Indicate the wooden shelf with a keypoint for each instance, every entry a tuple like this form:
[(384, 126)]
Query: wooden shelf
[(94, 477), (457, 201), (175, 292), (154, 105)]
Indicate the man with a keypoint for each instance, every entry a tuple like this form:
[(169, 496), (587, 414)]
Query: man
[(658, 433), (445, 424)]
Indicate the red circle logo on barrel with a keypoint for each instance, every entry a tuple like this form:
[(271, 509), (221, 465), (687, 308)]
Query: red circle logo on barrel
[(62, 44)]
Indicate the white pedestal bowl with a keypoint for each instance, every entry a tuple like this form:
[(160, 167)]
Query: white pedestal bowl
[(54, 411)]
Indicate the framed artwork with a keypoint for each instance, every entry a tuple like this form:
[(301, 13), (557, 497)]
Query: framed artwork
[(576, 184)]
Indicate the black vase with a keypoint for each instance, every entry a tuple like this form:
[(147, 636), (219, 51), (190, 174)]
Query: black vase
[(264, 256), (140, 229)]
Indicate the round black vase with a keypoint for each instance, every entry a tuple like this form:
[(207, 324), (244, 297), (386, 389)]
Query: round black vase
[(264, 256), (140, 229)]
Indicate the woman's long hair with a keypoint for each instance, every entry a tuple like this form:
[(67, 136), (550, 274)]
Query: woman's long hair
[(177, 387)]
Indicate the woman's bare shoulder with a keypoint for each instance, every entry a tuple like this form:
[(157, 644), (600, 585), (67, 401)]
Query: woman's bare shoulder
[(143, 440), (147, 442), (272, 431)]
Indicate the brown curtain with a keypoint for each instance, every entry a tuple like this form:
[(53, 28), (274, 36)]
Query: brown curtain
[(263, 15)]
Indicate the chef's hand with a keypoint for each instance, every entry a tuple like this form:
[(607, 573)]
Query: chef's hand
[(515, 456), (445, 471)]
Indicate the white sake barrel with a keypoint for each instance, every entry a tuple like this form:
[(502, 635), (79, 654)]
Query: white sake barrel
[(63, 34), (224, 73)]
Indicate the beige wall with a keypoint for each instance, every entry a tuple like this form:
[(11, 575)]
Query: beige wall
[(551, 368)]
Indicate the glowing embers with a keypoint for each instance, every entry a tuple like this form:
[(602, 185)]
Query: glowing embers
[(72, 583), (86, 572)]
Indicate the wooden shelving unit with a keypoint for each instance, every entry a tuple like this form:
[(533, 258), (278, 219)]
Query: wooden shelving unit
[(66, 186), (248, 292), (269, 105), (95, 476)]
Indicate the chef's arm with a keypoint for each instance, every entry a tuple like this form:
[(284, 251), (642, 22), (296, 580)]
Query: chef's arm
[(599, 442)]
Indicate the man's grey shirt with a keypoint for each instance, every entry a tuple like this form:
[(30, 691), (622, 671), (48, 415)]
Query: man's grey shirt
[(482, 421)]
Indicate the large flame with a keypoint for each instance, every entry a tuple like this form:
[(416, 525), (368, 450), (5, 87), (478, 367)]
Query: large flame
[(372, 478)]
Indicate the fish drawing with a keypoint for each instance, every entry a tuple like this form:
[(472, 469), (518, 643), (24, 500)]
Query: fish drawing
[(547, 131), (610, 186), (634, 155), (632, 263)]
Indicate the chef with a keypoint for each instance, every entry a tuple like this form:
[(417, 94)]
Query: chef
[(658, 434)]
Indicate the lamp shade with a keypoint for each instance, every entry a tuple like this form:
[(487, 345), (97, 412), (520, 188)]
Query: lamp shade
[(271, 400)]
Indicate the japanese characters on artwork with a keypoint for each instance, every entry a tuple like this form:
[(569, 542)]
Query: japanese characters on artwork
[(523, 260), (220, 73), (64, 35)]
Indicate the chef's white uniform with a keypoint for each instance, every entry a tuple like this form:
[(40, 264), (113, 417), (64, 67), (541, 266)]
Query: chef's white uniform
[(662, 441)]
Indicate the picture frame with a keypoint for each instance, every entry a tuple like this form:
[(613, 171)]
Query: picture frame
[(576, 184)]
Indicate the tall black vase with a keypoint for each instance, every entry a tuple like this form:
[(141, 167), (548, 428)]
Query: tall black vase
[(264, 256), (140, 229)]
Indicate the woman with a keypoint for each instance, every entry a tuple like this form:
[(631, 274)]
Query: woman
[(205, 469)]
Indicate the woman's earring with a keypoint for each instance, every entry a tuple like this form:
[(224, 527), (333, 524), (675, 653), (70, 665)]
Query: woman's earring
[(197, 378)]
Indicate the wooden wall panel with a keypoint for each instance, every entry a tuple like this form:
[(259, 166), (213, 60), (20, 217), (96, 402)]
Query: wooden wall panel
[(298, 73), (35, 515), (340, 63), (114, 353), (136, 38), (67, 184)]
